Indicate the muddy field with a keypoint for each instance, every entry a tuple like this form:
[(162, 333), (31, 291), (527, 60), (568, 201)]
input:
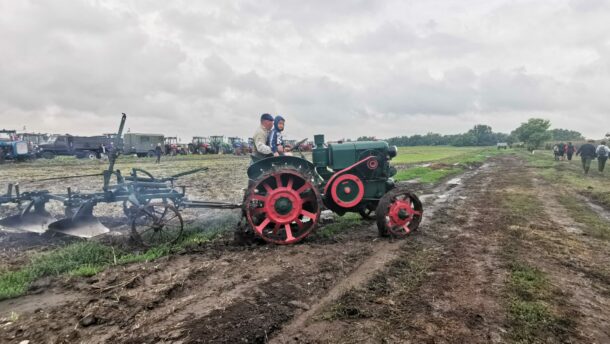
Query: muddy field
[(499, 258)]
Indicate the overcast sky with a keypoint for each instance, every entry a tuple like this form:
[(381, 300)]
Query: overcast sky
[(344, 68)]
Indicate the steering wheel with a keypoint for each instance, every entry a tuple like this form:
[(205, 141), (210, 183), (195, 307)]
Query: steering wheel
[(297, 147)]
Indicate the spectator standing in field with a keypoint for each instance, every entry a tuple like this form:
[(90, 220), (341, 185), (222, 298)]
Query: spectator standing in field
[(602, 152), (587, 154), (556, 152), (261, 149), (562, 150), (570, 149), (158, 152)]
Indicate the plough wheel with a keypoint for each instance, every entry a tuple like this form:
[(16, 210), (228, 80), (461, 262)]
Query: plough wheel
[(157, 224), (283, 207), (399, 213)]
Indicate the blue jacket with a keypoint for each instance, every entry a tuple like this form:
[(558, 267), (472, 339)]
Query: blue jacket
[(275, 138)]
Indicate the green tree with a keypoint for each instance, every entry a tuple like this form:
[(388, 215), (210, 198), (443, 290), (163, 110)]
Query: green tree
[(533, 133), (483, 135), (566, 135)]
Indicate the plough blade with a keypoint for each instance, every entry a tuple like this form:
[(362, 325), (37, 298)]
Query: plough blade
[(31, 222), (84, 227), (82, 224)]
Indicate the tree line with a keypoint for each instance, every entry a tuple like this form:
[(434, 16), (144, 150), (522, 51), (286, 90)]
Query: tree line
[(532, 133)]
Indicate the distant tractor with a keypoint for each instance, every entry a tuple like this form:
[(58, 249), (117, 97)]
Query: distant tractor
[(219, 146), (173, 147), (287, 193), (142, 144), (200, 145), (305, 146), (33, 140), (11, 147), (237, 145), (90, 147)]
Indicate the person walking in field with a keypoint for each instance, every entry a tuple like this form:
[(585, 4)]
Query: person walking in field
[(602, 152), (158, 152), (561, 147), (570, 149), (556, 152), (587, 154)]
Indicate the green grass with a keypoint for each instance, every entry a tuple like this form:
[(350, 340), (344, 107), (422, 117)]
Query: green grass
[(448, 165), (89, 258), (581, 213), (340, 225), (530, 315), (408, 155), (78, 258), (427, 174), (569, 174)]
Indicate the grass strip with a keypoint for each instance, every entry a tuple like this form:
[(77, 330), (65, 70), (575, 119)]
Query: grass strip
[(581, 213), (89, 258), (531, 317), (444, 168), (339, 225)]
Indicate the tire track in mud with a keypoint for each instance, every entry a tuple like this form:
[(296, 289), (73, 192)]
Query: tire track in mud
[(576, 262)]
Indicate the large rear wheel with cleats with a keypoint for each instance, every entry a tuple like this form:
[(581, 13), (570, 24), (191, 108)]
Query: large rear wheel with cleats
[(283, 206), (399, 212)]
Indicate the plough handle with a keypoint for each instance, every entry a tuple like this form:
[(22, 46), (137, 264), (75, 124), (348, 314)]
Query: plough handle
[(114, 154)]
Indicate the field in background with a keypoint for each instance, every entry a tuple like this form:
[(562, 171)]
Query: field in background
[(430, 164), (410, 155)]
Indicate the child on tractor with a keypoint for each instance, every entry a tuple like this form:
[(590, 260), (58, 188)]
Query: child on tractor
[(276, 140)]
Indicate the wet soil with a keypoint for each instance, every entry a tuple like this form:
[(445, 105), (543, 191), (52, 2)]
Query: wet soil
[(445, 283)]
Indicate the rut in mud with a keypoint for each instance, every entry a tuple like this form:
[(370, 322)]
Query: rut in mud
[(453, 281)]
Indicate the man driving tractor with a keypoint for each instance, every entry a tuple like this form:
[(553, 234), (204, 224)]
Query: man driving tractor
[(261, 149)]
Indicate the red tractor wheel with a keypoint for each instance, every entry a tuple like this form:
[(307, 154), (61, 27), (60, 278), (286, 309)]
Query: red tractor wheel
[(283, 207), (399, 213)]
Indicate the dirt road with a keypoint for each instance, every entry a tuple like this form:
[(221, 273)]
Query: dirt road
[(491, 263)]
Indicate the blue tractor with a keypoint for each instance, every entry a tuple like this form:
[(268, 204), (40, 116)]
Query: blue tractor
[(11, 147)]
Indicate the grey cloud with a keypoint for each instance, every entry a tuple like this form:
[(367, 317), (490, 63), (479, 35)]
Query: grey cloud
[(334, 67), (501, 90)]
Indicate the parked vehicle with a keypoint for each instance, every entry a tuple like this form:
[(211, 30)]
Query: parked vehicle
[(91, 147), (11, 147), (33, 140), (219, 146), (173, 147), (200, 145), (237, 145), (142, 144)]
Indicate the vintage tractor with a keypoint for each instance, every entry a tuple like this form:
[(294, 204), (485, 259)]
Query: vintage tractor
[(286, 194), (200, 145), (219, 146), (11, 147), (238, 145), (173, 147)]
